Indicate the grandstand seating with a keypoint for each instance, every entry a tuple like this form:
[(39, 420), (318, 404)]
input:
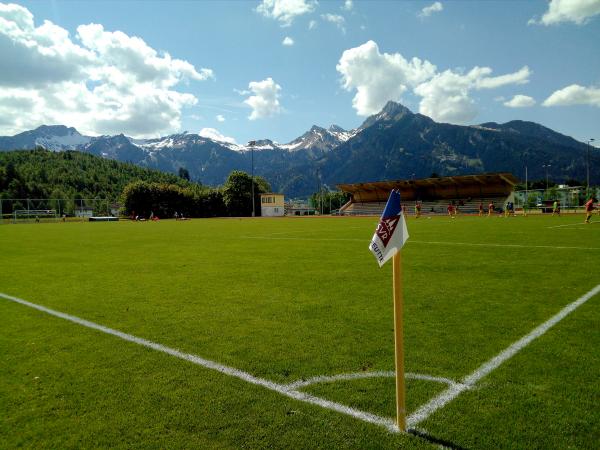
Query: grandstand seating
[(465, 206)]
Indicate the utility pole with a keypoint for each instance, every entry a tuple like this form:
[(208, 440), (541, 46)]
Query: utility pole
[(526, 186), (587, 185), (251, 144), (546, 166)]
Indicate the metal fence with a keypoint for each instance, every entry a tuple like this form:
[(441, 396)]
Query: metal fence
[(569, 197), (19, 210)]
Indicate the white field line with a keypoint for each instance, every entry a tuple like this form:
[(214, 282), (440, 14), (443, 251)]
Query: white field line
[(292, 238), (469, 381), (291, 391), (285, 390), (310, 231), (572, 224), (470, 244), (505, 245), (362, 375)]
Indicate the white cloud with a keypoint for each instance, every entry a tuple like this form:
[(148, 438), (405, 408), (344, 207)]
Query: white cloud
[(483, 81), (241, 91), (335, 19), (220, 118), (429, 10), (265, 101), (379, 77), (445, 96), (312, 24), (576, 11), (348, 5), (520, 101), (106, 83), (574, 95), (287, 41), (215, 135), (285, 11), (35, 57)]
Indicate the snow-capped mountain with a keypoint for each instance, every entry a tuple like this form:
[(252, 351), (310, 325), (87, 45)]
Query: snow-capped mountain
[(51, 137), (392, 144), (318, 138)]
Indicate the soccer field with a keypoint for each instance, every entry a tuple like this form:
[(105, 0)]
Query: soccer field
[(290, 322)]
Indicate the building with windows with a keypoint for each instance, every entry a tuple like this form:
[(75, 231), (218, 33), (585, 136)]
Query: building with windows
[(271, 205)]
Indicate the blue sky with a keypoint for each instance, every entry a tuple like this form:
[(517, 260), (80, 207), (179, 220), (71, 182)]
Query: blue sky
[(229, 73)]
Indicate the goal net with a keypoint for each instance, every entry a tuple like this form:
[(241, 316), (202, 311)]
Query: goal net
[(34, 215)]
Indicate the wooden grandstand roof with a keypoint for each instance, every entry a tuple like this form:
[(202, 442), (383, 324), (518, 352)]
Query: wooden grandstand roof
[(485, 184)]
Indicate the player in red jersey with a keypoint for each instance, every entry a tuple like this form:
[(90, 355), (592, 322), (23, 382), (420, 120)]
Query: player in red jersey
[(417, 210), (589, 207)]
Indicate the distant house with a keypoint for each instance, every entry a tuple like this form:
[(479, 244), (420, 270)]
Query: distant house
[(84, 211), (296, 208), (271, 205), (115, 209)]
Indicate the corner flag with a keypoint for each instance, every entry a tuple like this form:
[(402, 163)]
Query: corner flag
[(391, 232), (389, 237)]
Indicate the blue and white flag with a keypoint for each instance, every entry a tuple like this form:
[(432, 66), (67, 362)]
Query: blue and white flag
[(391, 232)]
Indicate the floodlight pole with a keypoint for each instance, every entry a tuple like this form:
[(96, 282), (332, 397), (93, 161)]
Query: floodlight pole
[(251, 144), (321, 192), (526, 186), (587, 185), (546, 166)]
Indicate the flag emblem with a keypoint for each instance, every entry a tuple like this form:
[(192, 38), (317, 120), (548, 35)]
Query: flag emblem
[(391, 233), (386, 228)]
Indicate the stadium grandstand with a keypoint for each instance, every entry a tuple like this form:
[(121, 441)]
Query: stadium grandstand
[(464, 191)]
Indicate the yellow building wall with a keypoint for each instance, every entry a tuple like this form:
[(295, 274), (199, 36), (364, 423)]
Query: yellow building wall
[(275, 200)]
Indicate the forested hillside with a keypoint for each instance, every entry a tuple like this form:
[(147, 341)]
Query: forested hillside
[(71, 174)]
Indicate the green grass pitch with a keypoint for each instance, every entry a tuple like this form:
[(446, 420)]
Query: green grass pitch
[(287, 300)]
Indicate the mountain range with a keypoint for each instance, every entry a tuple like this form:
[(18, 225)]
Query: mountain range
[(393, 144)]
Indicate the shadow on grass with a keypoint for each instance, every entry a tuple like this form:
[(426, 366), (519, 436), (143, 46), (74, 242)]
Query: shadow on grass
[(435, 440)]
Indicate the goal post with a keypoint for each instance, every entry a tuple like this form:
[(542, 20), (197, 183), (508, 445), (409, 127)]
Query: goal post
[(32, 210), (34, 215)]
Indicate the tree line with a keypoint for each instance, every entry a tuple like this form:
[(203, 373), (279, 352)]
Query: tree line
[(233, 199), (43, 174), (71, 175)]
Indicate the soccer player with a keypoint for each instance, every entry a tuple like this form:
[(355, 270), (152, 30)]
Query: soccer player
[(556, 208), (417, 210), (450, 210), (589, 207), (490, 209), (480, 208)]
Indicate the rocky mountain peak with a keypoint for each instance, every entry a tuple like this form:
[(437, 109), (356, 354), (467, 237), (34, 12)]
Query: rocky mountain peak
[(391, 112), (55, 130), (335, 129), (316, 128)]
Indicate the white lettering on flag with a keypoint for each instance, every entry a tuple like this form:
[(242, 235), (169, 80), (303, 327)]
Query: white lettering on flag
[(391, 232)]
